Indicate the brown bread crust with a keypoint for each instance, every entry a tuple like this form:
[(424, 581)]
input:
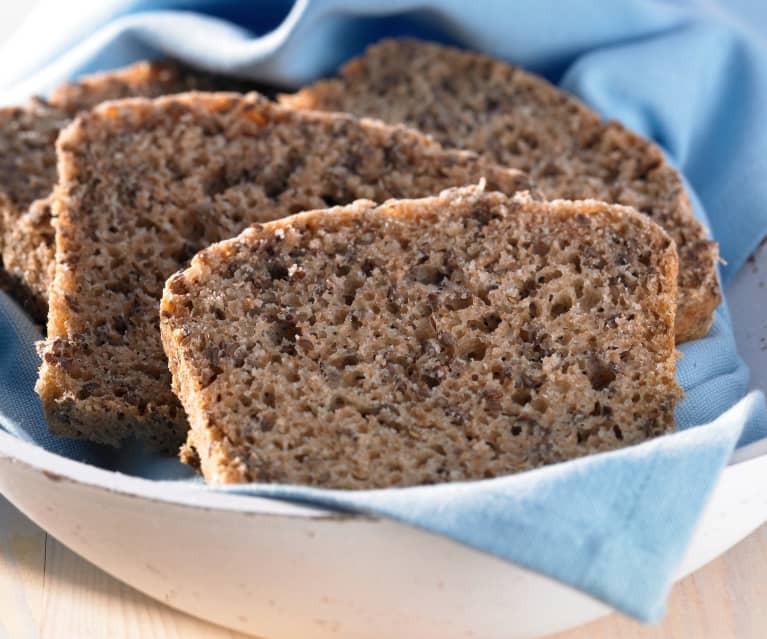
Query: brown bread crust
[(517, 119)]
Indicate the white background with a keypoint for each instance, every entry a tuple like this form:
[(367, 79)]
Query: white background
[(12, 12)]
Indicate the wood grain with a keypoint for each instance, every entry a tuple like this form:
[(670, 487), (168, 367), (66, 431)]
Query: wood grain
[(22, 567), (82, 601), (48, 592)]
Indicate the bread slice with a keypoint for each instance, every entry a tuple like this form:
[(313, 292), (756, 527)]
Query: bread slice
[(142, 79), (28, 164), (146, 184), (518, 119), (456, 337), (27, 175)]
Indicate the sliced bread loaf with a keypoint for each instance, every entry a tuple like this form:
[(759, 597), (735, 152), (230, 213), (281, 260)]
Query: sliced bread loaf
[(517, 119), (146, 184), (456, 337), (28, 164)]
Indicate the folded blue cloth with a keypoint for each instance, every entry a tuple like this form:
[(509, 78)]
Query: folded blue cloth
[(691, 75)]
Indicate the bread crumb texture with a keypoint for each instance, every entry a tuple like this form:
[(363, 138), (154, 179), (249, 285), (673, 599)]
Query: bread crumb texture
[(517, 119), (27, 177), (457, 337), (145, 184), (28, 165)]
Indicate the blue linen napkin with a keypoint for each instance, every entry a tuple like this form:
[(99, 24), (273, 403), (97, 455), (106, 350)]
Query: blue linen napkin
[(691, 75)]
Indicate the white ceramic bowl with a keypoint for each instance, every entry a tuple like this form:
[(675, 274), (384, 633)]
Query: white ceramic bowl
[(279, 570)]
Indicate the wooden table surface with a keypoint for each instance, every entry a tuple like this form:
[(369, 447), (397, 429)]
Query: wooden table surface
[(48, 592)]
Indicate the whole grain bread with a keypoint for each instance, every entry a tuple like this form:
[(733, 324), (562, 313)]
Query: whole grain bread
[(145, 184), (28, 164), (142, 79), (456, 337), (27, 176), (517, 119)]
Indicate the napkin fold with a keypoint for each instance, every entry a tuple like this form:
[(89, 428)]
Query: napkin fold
[(691, 75)]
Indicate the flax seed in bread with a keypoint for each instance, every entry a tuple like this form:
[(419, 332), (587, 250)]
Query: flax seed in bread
[(28, 164), (517, 119), (457, 337), (146, 184)]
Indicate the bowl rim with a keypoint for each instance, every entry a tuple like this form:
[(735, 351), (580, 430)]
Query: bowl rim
[(58, 468)]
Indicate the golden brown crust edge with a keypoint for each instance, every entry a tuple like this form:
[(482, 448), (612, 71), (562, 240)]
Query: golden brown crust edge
[(695, 308)]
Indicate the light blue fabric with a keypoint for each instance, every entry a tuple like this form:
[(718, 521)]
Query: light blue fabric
[(692, 75)]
